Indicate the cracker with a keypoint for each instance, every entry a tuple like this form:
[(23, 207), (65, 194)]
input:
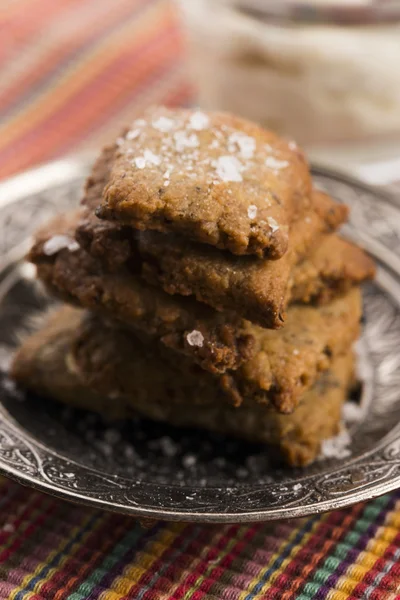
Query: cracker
[(211, 177)]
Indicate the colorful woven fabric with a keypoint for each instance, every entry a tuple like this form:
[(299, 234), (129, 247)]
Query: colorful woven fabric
[(49, 549), (71, 72)]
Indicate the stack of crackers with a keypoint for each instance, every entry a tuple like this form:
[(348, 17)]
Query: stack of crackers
[(205, 285)]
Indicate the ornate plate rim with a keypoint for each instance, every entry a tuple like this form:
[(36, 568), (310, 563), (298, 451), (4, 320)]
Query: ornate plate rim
[(61, 171)]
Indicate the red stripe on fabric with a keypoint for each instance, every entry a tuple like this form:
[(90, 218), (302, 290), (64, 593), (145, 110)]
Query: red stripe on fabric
[(121, 96), (219, 569), (71, 121), (62, 53), (309, 558), (33, 525), (28, 23), (184, 562), (369, 578), (42, 546), (87, 556), (157, 565)]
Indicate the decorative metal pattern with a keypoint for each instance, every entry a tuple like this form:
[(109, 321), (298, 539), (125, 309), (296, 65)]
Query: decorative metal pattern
[(373, 467)]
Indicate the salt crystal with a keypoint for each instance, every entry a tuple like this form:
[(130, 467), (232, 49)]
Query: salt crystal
[(195, 338), (307, 220), (336, 447), (148, 159), (352, 412), (29, 271), (292, 145), (214, 144), (139, 162), (183, 140), (59, 242), (246, 144), (297, 487), (120, 141), (69, 475), (163, 124), (199, 121), (132, 134), (168, 446), (229, 168), (296, 352), (273, 163), (139, 123), (273, 224), (252, 211), (189, 460), (8, 528), (151, 158), (106, 449)]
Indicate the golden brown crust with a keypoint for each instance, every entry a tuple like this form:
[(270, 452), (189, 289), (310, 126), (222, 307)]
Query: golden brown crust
[(286, 363), (81, 362), (77, 278), (255, 289), (333, 267), (261, 364), (214, 178)]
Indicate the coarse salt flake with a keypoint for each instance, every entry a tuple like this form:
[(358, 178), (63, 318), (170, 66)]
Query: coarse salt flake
[(246, 144), (132, 134), (296, 352), (59, 242), (8, 528), (292, 145), (139, 162), (168, 446), (273, 224), (229, 168), (273, 163), (199, 121), (352, 412), (195, 338), (337, 447), (184, 140), (189, 460), (163, 124), (148, 159), (252, 211)]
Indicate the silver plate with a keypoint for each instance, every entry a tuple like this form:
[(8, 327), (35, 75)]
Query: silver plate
[(204, 478)]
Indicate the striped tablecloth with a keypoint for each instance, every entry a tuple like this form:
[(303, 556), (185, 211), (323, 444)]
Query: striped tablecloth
[(72, 71)]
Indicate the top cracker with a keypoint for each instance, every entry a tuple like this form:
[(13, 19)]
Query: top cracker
[(212, 177)]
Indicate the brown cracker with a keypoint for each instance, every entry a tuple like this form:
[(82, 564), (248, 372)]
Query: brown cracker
[(77, 278), (255, 289), (228, 183), (76, 361)]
